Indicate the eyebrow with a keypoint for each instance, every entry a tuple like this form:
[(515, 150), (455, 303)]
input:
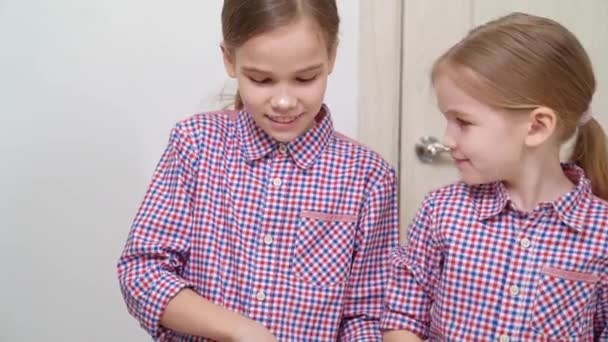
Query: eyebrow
[(456, 112), (260, 71)]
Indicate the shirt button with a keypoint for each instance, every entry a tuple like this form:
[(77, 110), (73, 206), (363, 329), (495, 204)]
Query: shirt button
[(514, 290), (504, 338), (282, 149), (525, 243), (268, 239), (277, 182), (261, 296)]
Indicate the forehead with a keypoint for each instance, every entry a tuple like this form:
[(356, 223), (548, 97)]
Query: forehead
[(452, 98), (290, 47)]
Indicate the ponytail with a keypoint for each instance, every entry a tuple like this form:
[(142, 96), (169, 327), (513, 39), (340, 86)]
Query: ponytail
[(591, 154), (238, 102)]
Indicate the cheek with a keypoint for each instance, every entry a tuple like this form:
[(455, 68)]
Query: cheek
[(253, 95), (313, 92), (474, 140), (315, 87)]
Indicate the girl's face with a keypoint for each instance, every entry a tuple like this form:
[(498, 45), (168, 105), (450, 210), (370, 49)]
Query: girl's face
[(282, 77), (486, 144)]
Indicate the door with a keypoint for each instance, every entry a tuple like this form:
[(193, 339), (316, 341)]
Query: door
[(426, 29)]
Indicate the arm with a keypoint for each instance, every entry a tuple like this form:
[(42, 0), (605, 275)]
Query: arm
[(157, 249), (377, 237), (192, 314), (400, 336), (415, 274)]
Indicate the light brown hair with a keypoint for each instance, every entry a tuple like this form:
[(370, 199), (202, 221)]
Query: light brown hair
[(520, 62), (244, 19)]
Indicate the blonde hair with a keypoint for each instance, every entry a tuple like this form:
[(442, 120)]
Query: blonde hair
[(243, 19), (521, 62)]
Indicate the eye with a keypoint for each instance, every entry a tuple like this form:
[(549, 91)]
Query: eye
[(462, 123), (260, 80), (306, 79)]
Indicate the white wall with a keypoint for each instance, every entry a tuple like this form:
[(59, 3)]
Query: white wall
[(88, 93)]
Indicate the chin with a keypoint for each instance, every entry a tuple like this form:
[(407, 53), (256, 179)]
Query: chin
[(472, 179), (287, 136), (478, 180), (284, 137), (472, 182)]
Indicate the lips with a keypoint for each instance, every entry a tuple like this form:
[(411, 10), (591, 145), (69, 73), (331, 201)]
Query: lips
[(283, 119), (459, 159)]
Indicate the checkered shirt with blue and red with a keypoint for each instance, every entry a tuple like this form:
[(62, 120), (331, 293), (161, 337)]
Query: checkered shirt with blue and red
[(477, 269), (297, 236)]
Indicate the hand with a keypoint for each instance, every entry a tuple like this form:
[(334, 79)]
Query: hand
[(400, 336), (252, 331)]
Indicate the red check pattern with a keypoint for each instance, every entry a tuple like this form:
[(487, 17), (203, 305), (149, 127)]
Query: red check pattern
[(478, 269), (296, 236)]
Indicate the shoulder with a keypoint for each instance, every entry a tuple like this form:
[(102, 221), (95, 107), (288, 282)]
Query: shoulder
[(596, 216), (205, 128), (599, 205), (459, 196), (454, 192), (361, 160)]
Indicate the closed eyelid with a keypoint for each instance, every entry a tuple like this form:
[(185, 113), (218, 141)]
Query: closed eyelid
[(261, 80), (258, 75), (309, 74), (306, 77)]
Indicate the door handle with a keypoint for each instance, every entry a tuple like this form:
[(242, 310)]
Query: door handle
[(429, 148)]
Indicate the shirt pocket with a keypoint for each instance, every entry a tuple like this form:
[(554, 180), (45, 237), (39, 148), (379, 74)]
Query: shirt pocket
[(562, 301), (323, 248)]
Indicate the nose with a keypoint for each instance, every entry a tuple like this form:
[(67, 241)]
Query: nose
[(448, 139), (283, 102)]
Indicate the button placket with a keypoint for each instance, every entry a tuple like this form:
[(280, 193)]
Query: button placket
[(277, 182), (514, 290), (283, 149), (260, 296)]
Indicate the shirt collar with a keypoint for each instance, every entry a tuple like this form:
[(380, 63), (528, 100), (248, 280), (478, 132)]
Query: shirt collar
[(573, 206), (491, 199), (304, 150), (254, 142)]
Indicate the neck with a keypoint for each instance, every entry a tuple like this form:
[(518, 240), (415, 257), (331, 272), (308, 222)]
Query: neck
[(538, 181)]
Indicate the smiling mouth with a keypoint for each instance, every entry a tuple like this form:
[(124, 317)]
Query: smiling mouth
[(283, 119), (459, 160)]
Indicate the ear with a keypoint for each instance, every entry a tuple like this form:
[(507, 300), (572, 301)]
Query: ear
[(541, 126), (229, 61), (332, 57)]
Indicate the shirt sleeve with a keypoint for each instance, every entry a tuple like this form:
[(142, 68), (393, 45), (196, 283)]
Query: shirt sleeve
[(157, 246), (415, 272), (378, 235)]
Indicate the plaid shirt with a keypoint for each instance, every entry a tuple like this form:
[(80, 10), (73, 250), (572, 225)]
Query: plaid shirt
[(478, 269), (296, 236)]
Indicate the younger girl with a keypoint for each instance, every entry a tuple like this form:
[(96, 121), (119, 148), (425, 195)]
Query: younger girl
[(265, 224), (517, 251)]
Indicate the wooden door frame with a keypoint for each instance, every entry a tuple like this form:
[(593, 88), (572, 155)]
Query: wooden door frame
[(380, 66), (380, 74)]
